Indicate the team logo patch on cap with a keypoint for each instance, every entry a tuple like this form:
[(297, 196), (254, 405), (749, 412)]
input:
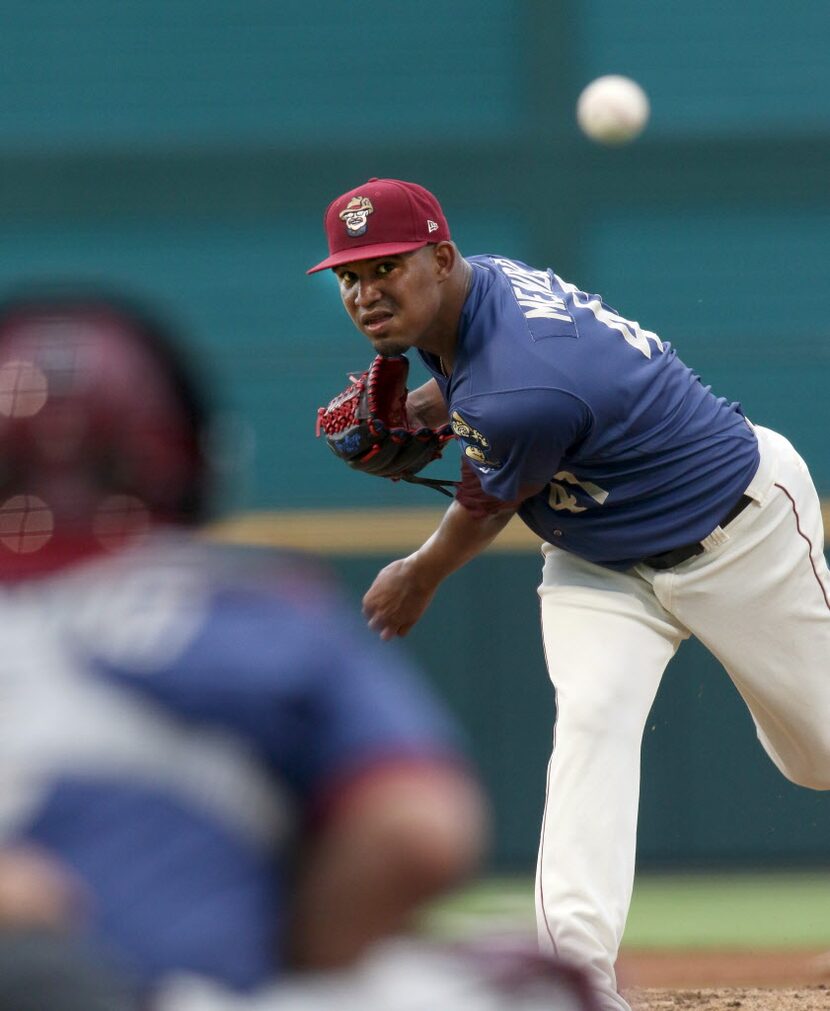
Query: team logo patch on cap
[(356, 215)]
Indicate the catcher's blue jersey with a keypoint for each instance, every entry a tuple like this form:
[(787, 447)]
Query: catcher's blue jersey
[(551, 387), (171, 720)]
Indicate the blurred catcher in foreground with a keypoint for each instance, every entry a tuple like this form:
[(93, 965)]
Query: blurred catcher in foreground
[(214, 778)]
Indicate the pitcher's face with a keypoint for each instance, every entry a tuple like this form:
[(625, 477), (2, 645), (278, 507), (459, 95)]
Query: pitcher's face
[(393, 300)]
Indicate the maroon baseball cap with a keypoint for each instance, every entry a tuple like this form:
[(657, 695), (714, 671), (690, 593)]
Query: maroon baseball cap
[(381, 218)]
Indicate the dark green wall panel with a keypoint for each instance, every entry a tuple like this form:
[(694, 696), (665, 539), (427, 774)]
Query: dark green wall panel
[(710, 796), (149, 73), (732, 69)]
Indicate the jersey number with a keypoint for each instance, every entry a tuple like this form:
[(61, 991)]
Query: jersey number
[(563, 500), (630, 330)]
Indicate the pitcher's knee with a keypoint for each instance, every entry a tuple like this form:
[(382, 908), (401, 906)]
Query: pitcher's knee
[(598, 719), (811, 779), (810, 771), (804, 759)]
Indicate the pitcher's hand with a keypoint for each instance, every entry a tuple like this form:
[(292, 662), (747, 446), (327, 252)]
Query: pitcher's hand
[(397, 598)]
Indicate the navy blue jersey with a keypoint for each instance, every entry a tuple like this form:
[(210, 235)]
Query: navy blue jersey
[(168, 726), (551, 389)]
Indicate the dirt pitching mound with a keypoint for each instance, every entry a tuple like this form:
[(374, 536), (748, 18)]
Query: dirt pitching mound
[(726, 980)]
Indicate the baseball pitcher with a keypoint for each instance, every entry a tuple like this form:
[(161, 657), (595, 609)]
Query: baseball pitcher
[(664, 513)]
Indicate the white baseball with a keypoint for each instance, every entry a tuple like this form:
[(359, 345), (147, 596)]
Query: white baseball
[(612, 109)]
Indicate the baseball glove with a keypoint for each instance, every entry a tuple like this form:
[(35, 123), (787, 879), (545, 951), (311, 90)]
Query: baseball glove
[(367, 426)]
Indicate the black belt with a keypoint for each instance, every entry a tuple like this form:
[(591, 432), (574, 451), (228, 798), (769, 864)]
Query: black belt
[(669, 559)]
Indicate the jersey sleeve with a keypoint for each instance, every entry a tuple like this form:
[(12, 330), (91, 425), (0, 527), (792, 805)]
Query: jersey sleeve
[(515, 440)]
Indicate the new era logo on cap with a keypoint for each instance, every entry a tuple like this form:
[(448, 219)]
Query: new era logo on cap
[(381, 218)]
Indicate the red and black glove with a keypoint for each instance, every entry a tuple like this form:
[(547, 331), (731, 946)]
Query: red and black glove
[(366, 425)]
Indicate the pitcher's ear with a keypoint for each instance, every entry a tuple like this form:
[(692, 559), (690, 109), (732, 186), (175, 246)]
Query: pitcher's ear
[(446, 256)]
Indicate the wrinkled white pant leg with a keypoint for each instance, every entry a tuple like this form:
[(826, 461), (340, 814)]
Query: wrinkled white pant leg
[(760, 602), (607, 642)]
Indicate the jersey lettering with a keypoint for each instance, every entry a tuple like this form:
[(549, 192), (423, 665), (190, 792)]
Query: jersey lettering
[(533, 292), (631, 331)]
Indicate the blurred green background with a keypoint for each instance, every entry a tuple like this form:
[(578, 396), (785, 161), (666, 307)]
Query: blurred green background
[(760, 911), (184, 151)]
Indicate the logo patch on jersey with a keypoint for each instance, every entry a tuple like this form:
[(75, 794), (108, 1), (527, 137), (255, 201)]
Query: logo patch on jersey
[(475, 444), (356, 215), (465, 431)]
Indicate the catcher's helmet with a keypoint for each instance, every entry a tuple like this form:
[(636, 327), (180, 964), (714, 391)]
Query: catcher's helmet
[(101, 426)]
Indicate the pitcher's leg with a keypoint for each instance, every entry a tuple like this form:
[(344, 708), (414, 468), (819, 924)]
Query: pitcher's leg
[(761, 605), (607, 642)]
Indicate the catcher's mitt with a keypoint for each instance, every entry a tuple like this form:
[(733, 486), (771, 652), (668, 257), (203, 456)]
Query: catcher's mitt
[(366, 425)]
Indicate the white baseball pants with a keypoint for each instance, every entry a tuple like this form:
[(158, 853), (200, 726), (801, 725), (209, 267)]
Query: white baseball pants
[(759, 599)]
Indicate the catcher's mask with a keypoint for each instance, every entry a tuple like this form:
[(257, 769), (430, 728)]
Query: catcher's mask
[(101, 427)]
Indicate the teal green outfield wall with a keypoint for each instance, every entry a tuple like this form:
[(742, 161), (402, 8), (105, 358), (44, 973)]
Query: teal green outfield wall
[(184, 152)]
